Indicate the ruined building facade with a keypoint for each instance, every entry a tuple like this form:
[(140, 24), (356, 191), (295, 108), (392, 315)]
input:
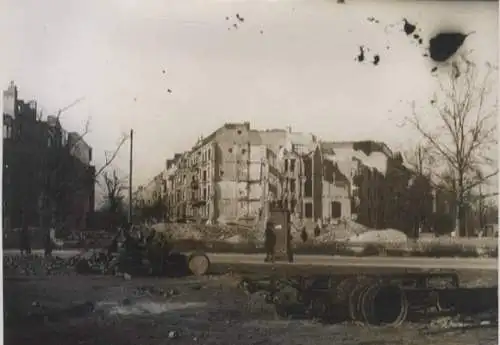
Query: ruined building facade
[(47, 172), (227, 176), (238, 173)]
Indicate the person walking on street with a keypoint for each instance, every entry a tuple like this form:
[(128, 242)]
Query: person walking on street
[(270, 242)]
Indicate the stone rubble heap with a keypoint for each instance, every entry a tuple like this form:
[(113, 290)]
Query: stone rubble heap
[(232, 233), (37, 265)]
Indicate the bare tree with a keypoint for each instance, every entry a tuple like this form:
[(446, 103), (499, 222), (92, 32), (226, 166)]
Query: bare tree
[(462, 142), (114, 188), (58, 161), (419, 159)]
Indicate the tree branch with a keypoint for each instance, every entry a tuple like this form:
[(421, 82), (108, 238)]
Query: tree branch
[(109, 158)]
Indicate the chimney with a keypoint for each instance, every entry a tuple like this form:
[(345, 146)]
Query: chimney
[(289, 129)]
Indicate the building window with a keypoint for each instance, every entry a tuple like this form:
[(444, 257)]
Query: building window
[(308, 210), (238, 131), (204, 194), (286, 165), (208, 154), (243, 151), (293, 206), (292, 185), (308, 188), (336, 209), (292, 165), (230, 150), (64, 138), (307, 167), (208, 191), (204, 175), (221, 173), (7, 131)]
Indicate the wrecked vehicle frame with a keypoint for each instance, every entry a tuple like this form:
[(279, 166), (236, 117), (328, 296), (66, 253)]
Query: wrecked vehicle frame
[(373, 299)]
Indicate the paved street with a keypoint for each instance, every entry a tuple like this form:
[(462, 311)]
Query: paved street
[(407, 262), (336, 261)]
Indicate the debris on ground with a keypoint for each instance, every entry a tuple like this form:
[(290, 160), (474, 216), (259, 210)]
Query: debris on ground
[(231, 233), (37, 265), (340, 231), (380, 236)]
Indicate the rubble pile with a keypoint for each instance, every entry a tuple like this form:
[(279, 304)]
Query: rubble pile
[(92, 261), (37, 265), (231, 233), (95, 261), (340, 232)]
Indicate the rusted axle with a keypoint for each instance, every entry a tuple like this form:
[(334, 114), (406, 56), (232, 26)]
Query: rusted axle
[(383, 300)]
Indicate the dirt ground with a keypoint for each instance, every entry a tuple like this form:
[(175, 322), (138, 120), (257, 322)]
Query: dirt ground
[(110, 310)]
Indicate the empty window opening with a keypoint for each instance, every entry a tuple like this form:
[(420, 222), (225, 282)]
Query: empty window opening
[(308, 210), (308, 188), (307, 167), (336, 209)]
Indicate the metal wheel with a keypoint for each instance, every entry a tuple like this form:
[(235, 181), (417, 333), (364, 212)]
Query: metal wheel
[(199, 264), (356, 296), (391, 311)]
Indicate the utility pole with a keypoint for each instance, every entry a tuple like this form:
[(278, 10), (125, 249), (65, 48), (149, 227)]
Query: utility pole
[(481, 218), (130, 176)]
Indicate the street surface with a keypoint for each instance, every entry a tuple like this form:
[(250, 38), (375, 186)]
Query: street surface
[(336, 261), (206, 310)]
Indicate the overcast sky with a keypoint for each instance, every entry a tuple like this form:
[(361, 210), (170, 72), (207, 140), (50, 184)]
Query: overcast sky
[(289, 63)]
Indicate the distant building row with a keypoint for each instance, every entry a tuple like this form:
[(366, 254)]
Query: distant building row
[(47, 172), (238, 173)]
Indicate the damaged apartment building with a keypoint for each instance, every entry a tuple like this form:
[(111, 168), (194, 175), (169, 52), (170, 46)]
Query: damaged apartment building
[(47, 172), (239, 174)]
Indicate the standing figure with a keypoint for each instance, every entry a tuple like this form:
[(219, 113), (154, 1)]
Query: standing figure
[(49, 240), (303, 235), (25, 240), (317, 230), (270, 242)]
